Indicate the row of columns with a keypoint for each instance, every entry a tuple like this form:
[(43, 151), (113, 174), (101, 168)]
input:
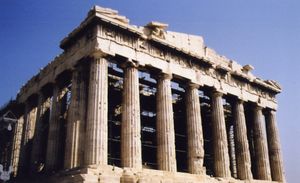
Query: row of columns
[(89, 145)]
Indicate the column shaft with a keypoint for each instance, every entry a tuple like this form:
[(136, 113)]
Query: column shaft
[(194, 131), (241, 142), (260, 145), (76, 120), (277, 171), (17, 145), (35, 159), (28, 133), (166, 154), (54, 134), (96, 130), (231, 149), (131, 147), (221, 155), (30, 120)]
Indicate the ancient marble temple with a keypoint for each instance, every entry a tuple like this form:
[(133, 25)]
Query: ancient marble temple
[(129, 104)]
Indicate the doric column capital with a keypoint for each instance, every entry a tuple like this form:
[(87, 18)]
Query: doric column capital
[(129, 63), (163, 75), (27, 104), (257, 107), (192, 85), (41, 98), (97, 54), (73, 69), (239, 100), (271, 111), (217, 93)]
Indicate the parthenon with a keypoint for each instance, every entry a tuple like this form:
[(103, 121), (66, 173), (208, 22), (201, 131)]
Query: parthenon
[(142, 104)]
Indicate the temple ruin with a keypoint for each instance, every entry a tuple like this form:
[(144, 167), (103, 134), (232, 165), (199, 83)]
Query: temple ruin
[(129, 104)]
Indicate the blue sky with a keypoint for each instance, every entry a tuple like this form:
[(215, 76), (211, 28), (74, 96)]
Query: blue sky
[(263, 33)]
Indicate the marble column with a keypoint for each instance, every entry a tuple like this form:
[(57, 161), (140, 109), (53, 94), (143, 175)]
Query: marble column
[(54, 134), (220, 144), (194, 130), (241, 142), (28, 133), (276, 164), (131, 147), (36, 145), (76, 120), (24, 141), (166, 155), (260, 145), (16, 153), (30, 119), (96, 142)]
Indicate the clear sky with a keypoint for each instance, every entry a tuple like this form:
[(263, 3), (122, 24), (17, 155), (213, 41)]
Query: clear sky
[(263, 33)]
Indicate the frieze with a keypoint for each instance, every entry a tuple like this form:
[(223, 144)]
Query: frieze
[(117, 36), (237, 83), (142, 44), (157, 52), (125, 34)]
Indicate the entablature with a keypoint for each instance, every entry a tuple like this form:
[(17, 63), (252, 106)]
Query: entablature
[(115, 27), (110, 33)]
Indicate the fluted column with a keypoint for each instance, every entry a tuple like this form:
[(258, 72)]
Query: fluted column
[(16, 153), (28, 133), (221, 155), (36, 145), (30, 119), (276, 162), (131, 148), (76, 120), (194, 130), (260, 145), (241, 142), (166, 155), (96, 130), (54, 134), (24, 140)]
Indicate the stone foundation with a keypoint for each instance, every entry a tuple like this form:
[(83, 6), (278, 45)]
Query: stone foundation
[(111, 174)]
